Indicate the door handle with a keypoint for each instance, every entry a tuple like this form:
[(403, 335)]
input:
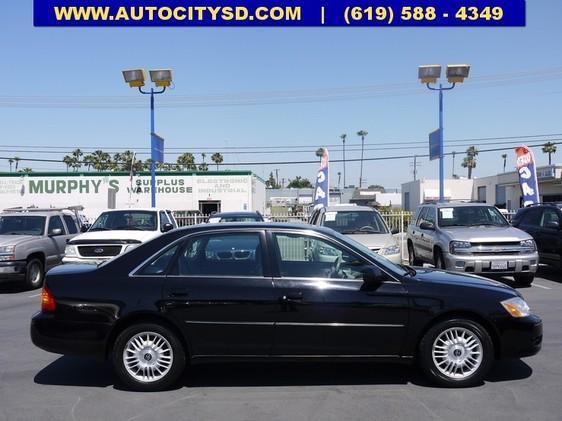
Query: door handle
[(298, 296), (178, 293)]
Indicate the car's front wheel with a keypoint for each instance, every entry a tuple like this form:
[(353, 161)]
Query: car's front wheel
[(148, 357), (34, 274), (456, 353), (412, 259)]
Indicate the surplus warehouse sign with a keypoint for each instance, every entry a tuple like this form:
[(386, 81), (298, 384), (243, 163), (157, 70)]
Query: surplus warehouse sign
[(177, 191)]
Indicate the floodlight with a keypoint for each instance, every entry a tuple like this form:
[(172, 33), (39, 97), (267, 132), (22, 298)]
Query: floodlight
[(429, 73), (135, 78), (161, 77), (457, 73)]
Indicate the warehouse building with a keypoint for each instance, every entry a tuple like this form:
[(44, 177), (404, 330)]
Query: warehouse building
[(206, 192)]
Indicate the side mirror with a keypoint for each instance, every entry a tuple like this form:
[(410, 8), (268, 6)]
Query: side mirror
[(427, 226), (84, 228), (394, 231), (553, 225), (167, 227), (372, 275), (55, 232)]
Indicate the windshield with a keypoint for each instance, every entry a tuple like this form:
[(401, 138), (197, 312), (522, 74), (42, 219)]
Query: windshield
[(126, 220), (355, 222), (471, 216), (383, 261), (22, 225)]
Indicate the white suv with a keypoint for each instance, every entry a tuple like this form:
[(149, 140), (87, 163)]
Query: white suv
[(117, 231)]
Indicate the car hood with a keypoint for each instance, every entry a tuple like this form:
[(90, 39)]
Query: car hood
[(486, 234), (10, 240), (125, 235), (373, 241), (455, 278)]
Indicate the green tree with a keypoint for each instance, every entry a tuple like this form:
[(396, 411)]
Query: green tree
[(377, 187), (68, 160), (10, 161), (77, 155), (319, 153), (99, 160), (26, 170), (469, 160), (217, 158), (299, 183), (186, 161), (203, 166), (17, 161), (548, 148), (271, 182)]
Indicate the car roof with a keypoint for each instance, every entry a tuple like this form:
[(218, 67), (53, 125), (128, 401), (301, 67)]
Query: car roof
[(456, 204), (347, 208), (215, 215), (42, 213), (249, 225), (135, 210)]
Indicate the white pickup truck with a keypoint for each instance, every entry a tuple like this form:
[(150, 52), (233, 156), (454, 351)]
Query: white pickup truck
[(117, 231)]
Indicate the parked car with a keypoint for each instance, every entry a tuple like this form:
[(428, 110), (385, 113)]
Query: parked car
[(117, 231), (272, 292), (236, 217), (363, 224), (543, 223), (31, 242), (473, 238)]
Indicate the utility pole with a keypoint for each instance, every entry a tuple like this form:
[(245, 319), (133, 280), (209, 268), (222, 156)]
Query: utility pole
[(453, 170), (415, 166), (277, 177), (343, 137)]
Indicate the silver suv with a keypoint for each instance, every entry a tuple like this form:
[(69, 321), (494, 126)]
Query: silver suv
[(33, 241), (473, 238)]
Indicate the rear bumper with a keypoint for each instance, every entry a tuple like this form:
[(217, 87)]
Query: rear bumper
[(69, 338), (482, 265), (521, 337), (10, 271)]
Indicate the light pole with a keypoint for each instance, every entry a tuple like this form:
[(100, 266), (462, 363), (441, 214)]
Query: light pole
[(343, 137), (362, 134), (429, 74), (162, 78)]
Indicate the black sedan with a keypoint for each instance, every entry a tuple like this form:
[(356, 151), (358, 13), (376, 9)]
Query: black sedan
[(275, 292)]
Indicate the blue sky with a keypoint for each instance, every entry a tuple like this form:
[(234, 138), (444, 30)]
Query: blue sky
[(51, 62)]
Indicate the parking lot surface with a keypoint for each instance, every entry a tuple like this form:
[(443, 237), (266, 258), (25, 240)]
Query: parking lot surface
[(36, 385)]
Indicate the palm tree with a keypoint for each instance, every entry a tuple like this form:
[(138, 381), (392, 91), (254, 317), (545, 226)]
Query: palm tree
[(11, 161), (362, 134), (77, 155), (343, 137), (68, 161), (187, 161), (548, 148), (469, 161), (203, 166), (319, 153), (100, 160), (26, 170), (217, 159), (17, 161), (504, 157)]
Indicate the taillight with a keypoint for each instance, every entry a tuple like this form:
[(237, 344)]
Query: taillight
[(48, 303)]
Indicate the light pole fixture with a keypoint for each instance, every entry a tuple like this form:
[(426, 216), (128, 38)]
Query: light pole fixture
[(429, 75), (162, 78)]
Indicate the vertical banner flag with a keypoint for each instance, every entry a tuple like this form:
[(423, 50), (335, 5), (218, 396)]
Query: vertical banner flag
[(322, 191), (157, 154), (527, 175)]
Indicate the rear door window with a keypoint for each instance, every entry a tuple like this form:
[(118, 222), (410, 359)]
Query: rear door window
[(70, 224), (55, 223)]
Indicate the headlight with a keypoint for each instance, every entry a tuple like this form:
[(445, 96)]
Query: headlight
[(456, 247), (517, 307), (70, 251), (529, 244), (7, 253), (389, 250), (130, 247)]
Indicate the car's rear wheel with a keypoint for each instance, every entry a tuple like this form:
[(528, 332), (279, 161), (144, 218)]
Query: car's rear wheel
[(438, 259), (456, 353), (412, 259), (34, 274), (524, 280), (148, 357)]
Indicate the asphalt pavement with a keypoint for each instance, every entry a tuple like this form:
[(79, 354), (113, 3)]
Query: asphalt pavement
[(36, 385)]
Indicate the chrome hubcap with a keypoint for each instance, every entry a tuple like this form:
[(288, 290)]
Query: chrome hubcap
[(148, 357), (34, 274), (457, 353)]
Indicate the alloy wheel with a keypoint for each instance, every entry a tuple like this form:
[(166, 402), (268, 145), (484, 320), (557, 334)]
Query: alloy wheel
[(457, 353), (148, 357)]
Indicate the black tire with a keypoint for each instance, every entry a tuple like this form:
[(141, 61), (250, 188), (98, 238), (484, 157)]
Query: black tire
[(438, 261), (430, 365), (524, 280), (170, 375), (34, 274), (412, 259)]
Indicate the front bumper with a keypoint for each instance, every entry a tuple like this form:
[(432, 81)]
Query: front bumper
[(82, 260), (12, 270), (482, 264), (69, 337), (520, 337), (394, 258)]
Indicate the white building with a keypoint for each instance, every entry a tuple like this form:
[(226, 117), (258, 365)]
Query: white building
[(188, 191), (417, 192)]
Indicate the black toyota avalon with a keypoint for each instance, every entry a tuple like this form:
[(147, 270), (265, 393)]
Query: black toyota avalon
[(275, 292)]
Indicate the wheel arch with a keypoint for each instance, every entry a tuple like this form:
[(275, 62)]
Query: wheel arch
[(137, 318), (467, 315), (37, 255)]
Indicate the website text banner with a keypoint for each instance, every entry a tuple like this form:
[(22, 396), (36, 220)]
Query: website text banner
[(191, 13)]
